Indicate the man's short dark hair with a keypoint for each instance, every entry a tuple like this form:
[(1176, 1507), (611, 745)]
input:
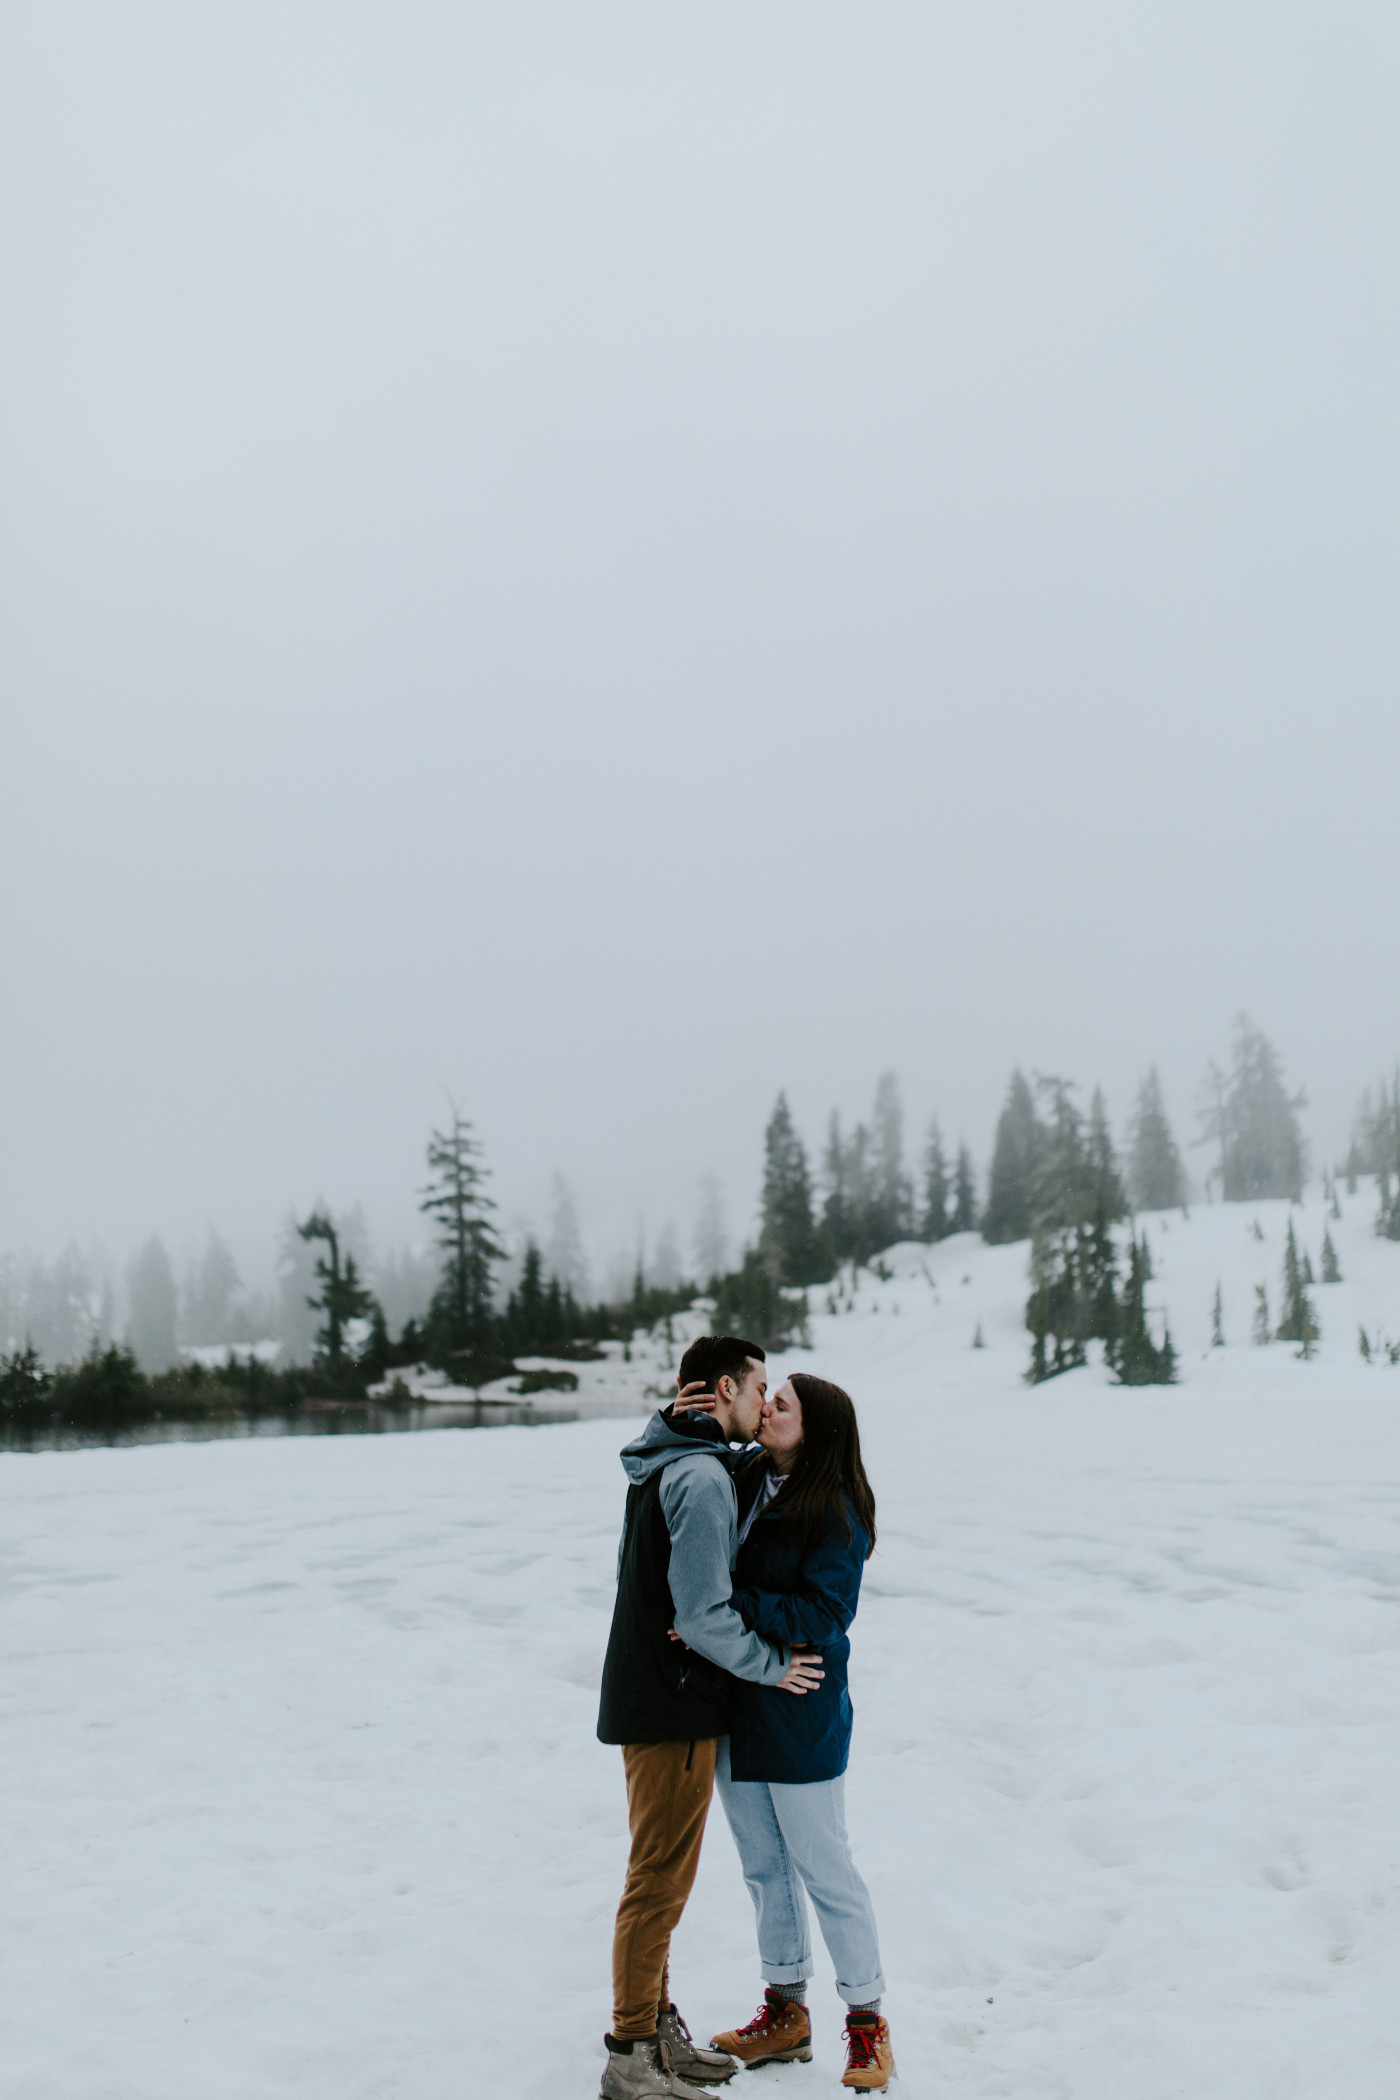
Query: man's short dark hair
[(714, 1356)]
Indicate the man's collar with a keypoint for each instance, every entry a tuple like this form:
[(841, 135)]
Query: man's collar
[(704, 1428)]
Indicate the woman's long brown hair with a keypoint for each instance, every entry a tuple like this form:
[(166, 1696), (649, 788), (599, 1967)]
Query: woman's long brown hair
[(828, 1480)]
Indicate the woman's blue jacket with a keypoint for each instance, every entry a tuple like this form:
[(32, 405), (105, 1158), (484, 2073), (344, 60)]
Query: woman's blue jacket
[(797, 1594)]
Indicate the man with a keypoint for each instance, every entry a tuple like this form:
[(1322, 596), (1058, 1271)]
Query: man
[(664, 1698)]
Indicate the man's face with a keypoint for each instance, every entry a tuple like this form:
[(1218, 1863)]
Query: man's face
[(746, 1405)]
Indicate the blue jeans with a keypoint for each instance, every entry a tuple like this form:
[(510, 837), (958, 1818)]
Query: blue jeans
[(790, 1838)]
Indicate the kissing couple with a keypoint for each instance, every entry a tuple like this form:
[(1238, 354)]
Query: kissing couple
[(738, 1577)]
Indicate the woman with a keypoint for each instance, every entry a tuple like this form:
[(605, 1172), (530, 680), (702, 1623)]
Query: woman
[(806, 1529)]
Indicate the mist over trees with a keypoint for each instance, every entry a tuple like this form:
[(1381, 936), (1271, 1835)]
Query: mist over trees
[(1156, 1177), (153, 1308), (1251, 1119), (1375, 1149), (1015, 1157), (1054, 1180)]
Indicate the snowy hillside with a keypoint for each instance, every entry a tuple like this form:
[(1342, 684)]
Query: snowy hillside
[(943, 1295), (303, 1795)]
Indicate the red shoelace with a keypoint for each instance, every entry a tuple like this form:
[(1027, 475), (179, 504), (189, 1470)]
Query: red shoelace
[(765, 2019), (862, 2044)]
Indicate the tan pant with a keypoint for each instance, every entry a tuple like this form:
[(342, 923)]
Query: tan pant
[(668, 1798)]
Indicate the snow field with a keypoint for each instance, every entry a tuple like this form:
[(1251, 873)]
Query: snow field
[(302, 1795)]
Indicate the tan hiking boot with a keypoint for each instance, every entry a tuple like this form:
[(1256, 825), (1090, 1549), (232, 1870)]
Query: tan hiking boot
[(779, 2033), (869, 2057), (684, 2055)]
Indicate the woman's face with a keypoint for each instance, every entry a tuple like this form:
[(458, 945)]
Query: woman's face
[(780, 1431)]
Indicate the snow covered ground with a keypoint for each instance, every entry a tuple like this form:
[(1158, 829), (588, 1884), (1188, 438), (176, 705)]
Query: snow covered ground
[(301, 1794)]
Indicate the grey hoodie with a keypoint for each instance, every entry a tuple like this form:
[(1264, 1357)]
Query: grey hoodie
[(701, 1510)]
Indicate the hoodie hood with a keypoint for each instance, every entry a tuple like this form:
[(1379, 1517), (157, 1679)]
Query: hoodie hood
[(664, 1440)]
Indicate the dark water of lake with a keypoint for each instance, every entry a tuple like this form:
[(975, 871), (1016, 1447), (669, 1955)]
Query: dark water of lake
[(328, 1418)]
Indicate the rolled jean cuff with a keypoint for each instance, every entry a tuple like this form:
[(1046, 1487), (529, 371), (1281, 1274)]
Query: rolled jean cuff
[(786, 1971), (860, 1993)]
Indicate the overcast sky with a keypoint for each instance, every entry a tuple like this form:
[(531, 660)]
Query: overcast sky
[(611, 559)]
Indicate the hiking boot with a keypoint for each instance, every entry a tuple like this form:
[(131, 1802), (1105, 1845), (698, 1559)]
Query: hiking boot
[(685, 2056), (638, 2071), (869, 2057), (778, 2033)]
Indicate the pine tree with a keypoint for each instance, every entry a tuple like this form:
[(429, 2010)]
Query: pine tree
[(892, 1197), (1380, 1153), (1331, 1271), (1217, 1321), (1262, 1331), (864, 1239), (711, 1244), (342, 1297), (838, 1220), (1075, 1196), (459, 1319), (1135, 1358), (1105, 1181), (524, 1322), (1254, 1119), (1156, 1178), (1298, 1321), (207, 1310), (564, 1256), (788, 1235), (296, 1279), (153, 1300), (1015, 1156), (964, 1214), (934, 1225), (750, 1302)]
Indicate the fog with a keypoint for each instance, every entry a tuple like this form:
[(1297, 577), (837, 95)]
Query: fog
[(603, 562)]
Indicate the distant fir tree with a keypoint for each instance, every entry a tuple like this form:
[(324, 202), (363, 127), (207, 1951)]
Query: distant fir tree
[(665, 1265), (1135, 1358), (1106, 1183), (152, 1308), (1379, 1151), (296, 1279), (524, 1317), (711, 1242), (1156, 1177), (892, 1198), (788, 1238), (850, 1223), (206, 1311), (1331, 1269), (1262, 1331), (964, 1217), (61, 1308), (564, 1256), (838, 1206), (934, 1223), (1076, 1196), (1015, 1156), (342, 1297), (1217, 1321), (1253, 1119), (459, 1318), (1298, 1320), (751, 1303)]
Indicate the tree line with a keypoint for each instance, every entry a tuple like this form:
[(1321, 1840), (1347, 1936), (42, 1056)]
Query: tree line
[(1054, 1179)]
